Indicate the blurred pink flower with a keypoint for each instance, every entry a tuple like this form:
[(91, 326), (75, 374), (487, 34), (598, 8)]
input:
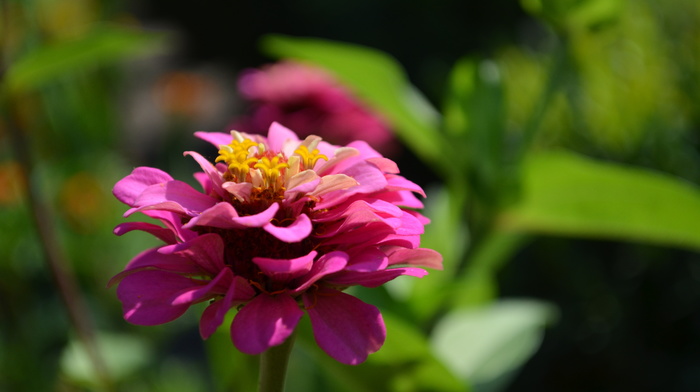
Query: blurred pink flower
[(281, 228), (310, 101)]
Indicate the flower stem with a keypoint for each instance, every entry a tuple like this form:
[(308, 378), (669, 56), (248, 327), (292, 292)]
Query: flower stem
[(273, 366), (60, 269)]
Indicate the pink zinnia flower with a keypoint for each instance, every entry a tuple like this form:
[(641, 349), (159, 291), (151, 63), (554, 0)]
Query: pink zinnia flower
[(310, 101), (281, 228)]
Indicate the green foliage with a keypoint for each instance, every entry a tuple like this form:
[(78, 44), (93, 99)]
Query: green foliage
[(567, 194), (485, 345), (573, 15), (104, 44), (124, 356)]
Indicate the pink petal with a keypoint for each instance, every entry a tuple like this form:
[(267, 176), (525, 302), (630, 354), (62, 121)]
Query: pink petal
[(173, 222), (204, 180), (224, 216), (400, 198), (238, 292), (302, 183), (131, 186), (264, 322), (334, 182), (399, 183), (369, 178), (421, 218), (215, 138), (421, 257), (285, 269), (206, 251), (368, 259), (340, 157), (211, 171), (259, 219), (153, 259), (221, 215), (359, 219), (327, 264), (371, 233), (386, 165), (405, 241), (373, 278), (146, 296), (217, 286), (176, 196), (297, 231), (380, 207), (410, 225), (278, 135), (240, 191), (164, 234), (345, 328), (366, 151)]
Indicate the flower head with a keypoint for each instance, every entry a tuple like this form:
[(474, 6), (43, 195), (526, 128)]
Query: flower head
[(310, 101), (282, 227)]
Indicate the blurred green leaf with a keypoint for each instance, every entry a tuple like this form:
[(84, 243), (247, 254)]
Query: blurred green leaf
[(404, 364), (177, 375), (447, 234), (574, 14), (123, 355), (104, 44), (486, 345), (477, 284), (377, 79), (568, 194), (474, 118)]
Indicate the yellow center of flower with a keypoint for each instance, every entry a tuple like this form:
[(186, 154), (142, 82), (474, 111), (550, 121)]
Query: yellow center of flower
[(309, 158), (271, 170), (237, 156), (249, 161)]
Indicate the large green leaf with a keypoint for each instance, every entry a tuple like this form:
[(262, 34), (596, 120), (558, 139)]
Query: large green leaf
[(377, 79), (568, 194), (486, 345), (102, 45), (474, 120), (404, 364), (123, 355), (447, 234)]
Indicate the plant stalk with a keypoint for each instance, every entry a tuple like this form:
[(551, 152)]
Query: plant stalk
[(273, 366)]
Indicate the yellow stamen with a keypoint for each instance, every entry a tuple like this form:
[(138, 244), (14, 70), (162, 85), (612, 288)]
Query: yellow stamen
[(236, 157), (309, 158), (271, 170)]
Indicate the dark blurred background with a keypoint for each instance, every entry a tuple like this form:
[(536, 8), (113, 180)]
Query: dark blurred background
[(629, 313)]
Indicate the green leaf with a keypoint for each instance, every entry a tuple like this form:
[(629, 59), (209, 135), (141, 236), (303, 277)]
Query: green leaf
[(474, 118), (104, 44), (377, 79), (404, 364), (448, 235), (477, 284), (568, 194), (574, 14), (486, 345), (123, 356)]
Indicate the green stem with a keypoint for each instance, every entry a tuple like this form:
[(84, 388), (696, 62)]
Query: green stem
[(273, 366)]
